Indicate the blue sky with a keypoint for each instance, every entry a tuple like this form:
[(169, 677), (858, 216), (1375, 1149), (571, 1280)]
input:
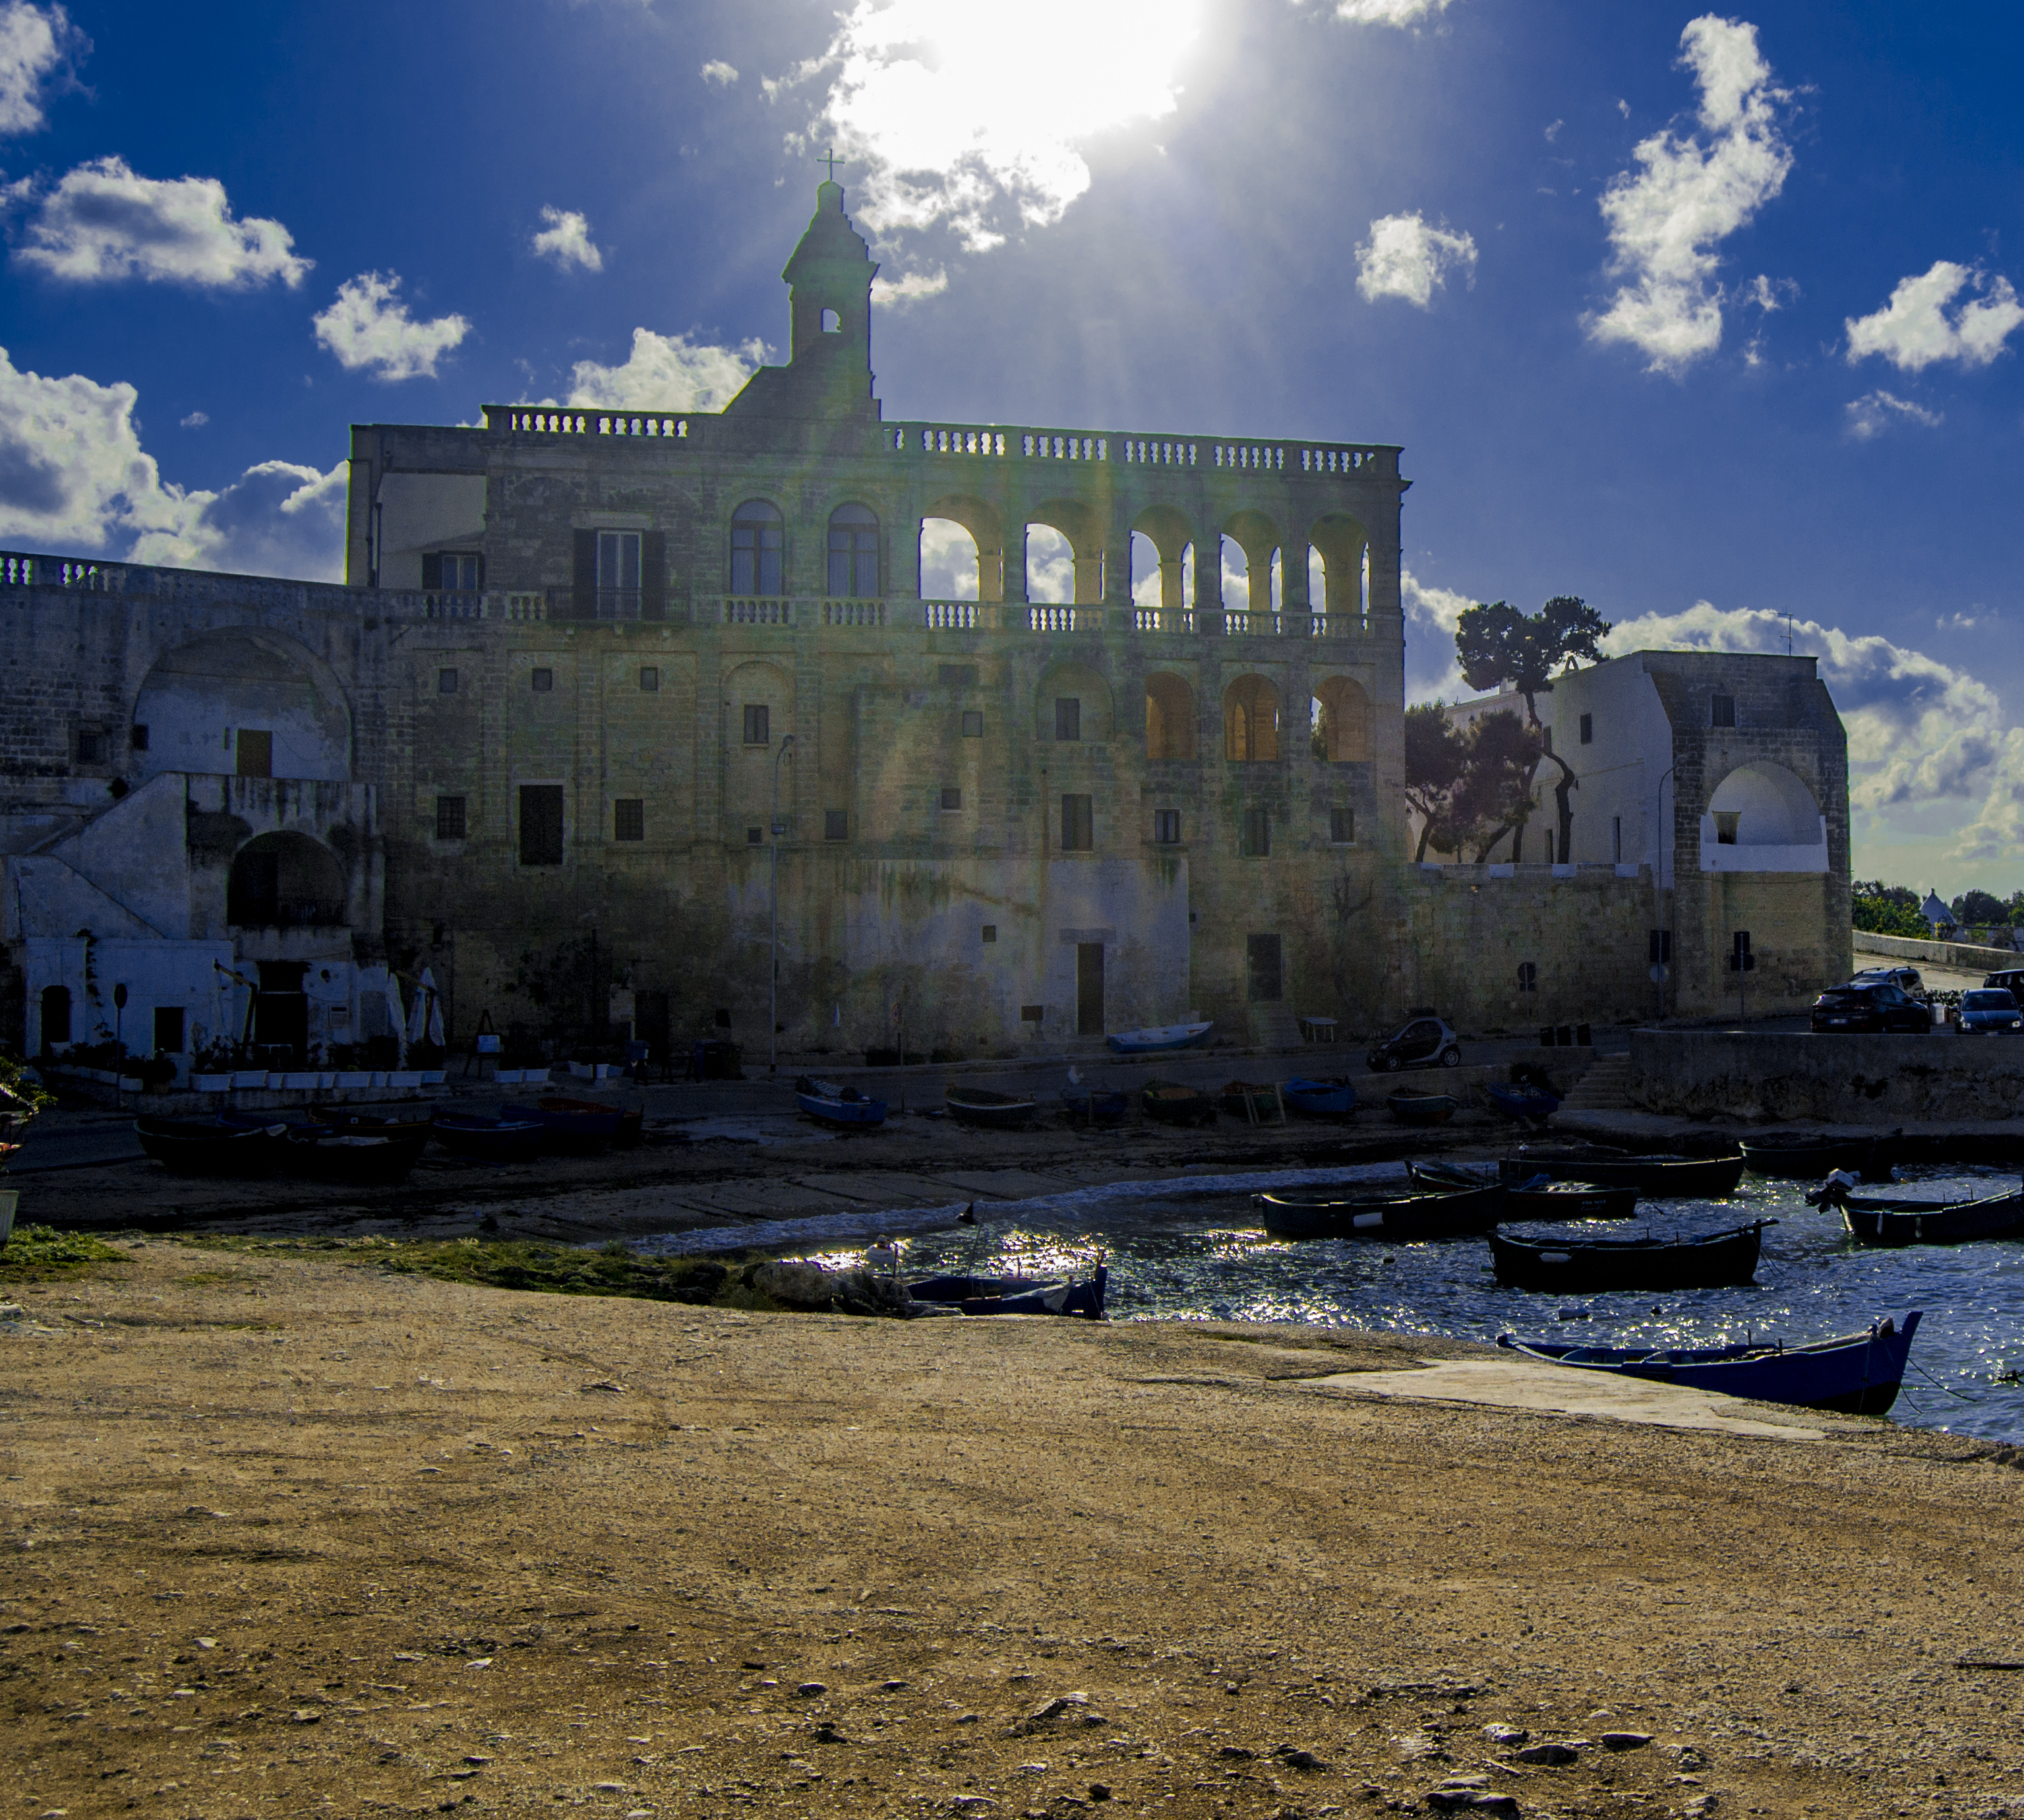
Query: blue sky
[(1707, 317)]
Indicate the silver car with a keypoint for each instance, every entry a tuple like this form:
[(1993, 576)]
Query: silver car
[(1990, 1012)]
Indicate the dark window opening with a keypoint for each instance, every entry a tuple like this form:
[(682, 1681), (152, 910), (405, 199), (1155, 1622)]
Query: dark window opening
[(853, 553), (139, 738), (1342, 827), (972, 724), (1167, 827), (952, 797), (836, 824), (1089, 988), (1661, 946), (1257, 842), (1722, 711), (90, 746), (542, 681), (1068, 717), (990, 932), (541, 824), (1032, 1013), (650, 679), (445, 682), (1528, 976), (451, 824), (618, 574), (755, 837), (758, 723), (1588, 729), (1078, 825), (1726, 821), (629, 819), (1616, 838), (255, 752), (758, 543), (284, 881), (453, 572), (168, 1029), (1264, 975), (56, 1015)]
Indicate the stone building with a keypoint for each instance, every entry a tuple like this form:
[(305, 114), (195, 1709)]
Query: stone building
[(616, 705)]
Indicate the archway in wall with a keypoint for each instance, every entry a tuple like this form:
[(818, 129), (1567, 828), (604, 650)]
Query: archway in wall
[(1341, 721), (285, 881), (1170, 716), (985, 526), (1763, 805), (1162, 561), (1077, 528), (1073, 705), (949, 562), (1050, 567), (1250, 546), (1342, 543), (1250, 721), (199, 698)]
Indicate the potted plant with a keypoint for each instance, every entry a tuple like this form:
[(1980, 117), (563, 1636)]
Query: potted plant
[(21, 1098), (155, 1073), (211, 1068)]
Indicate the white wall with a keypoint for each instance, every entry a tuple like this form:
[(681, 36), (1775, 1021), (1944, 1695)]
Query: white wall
[(423, 513)]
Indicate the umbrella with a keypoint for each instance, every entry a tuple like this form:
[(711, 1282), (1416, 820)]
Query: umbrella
[(396, 1013), (425, 1020)]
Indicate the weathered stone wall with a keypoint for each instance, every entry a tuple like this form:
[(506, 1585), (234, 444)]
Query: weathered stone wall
[(1963, 956)]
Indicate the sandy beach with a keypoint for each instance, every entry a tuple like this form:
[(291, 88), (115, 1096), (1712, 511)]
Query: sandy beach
[(288, 1536)]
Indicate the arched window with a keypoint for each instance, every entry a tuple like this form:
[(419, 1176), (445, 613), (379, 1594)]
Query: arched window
[(1251, 720), (758, 538), (285, 881), (1341, 721), (1170, 717), (56, 1016), (853, 553)]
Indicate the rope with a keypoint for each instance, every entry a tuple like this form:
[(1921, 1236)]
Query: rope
[(1938, 1386)]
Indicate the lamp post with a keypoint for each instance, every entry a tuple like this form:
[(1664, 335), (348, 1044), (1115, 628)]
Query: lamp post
[(118, 1039), (775, 829)]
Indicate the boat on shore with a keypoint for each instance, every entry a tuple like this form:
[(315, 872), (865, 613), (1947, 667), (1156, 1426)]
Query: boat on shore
[(1257, 1101), (1855, 1374), (487, 1140), (1887, 1221), (1694, 1178), (354, 1153), (1017, 1295), (1540, 1198), (828, 1103), (1593, 1266), (1334, 1099), (1519, 1100), (1807, 1157), (572, 1128), (1170, 1103), (1095, 1105), (1402, 1218), (1410, 1108), (223, 1146), (625, 1135), (990, 1111), (1158, 1039)]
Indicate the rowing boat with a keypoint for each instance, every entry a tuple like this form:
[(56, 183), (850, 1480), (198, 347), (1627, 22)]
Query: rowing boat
[(1401, 1218), (1591, 1266), (1695, 1178), (1890, 1220)]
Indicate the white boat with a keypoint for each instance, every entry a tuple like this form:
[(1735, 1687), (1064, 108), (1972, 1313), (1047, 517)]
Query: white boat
[(1150, 1042)]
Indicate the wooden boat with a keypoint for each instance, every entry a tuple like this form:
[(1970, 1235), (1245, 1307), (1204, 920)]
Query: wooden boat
[(1400, 1218), (1171, 1103), (1517, 1101), (1695, 1178), (1249, 1100), (994, 1111), (336, 1119), (488, 1140), (828, 1103), (1540, 1198), (1586, 1266), (1808, 1157), (1095, 1107), (1423, 1108), (1017, 1295), (569, 1127), (1888, 1221), (625, 1135), (1856, 1373), (1159, 1038), (225, 1145), (1335, 1099), (330, 1153)]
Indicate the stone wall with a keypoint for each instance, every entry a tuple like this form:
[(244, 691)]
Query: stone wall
[(1962, 956)]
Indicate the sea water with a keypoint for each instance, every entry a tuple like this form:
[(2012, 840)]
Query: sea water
[(1194, 1250)]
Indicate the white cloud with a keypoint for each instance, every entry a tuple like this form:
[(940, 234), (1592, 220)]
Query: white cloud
[(196, 421), (912, 288), (1913, 330), (103, 222), (1431, 614), (971, 121), (369, 327), (1874, 413), (566, 241), (1386, 12), (36, 44), (668, 373), (74, 479), (718, 71), (1405, 257), (1692, 192), (1769, 294), (1553, 132), (948, 561)]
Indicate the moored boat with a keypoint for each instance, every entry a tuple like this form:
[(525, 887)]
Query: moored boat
[(1856, 1374), (1158, 1039), (993, 1111), (1017, 1295), (625, 1135), (1589, 1266), (488, 1140), (569, 1127), (1539, 1199), (829, 1103), (1890, 1220), (1402, 1218), (1519, 1101), (1804, 1156), (1423, 1108), (1335, 1099), (212, 1146), (1171, 1103), (1698, 1178)]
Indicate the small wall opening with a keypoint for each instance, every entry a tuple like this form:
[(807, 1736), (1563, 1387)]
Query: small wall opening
[(1251, 720), (1170, 717), (285, 881), (1050, 577)]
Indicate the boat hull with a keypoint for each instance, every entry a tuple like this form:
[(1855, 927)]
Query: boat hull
[(1535, 1200), (1320, 1098), (196, 1146), (1596, 1266), (1695, 1178), (1170, 1103), (326, 1155), (1522, 1103), (1400, 1219), (1080, 1298), (569, 1130), (992, 1112), (488, 1140), (1159, 1039), (1423, 1108), (847, 1114), (1808, 1162), (1887, 1224), (1096, 1108)]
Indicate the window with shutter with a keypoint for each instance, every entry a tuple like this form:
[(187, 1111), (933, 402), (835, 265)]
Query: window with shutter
[(541, 824), (1078, 825)]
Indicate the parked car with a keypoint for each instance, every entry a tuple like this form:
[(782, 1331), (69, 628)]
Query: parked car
[(1422, 1041), (2010, 980), (1870, 1006), (1990, 1012), (1905, 978)]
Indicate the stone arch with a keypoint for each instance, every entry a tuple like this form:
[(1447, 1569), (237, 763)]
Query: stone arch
[(201, 695), (1763, 805), (1093, 718), (285, 881), (1258, 537), (1341, 721), (1251, 720), (1169, 532), (986, 525), (1084, 528), (1342, 542), (1170, 716)]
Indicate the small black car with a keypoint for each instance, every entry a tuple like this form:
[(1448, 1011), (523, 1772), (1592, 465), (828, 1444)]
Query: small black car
[(1423, 1041), (1860, 1008)]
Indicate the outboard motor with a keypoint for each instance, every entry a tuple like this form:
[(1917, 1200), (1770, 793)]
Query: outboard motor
[(1833, 1190)]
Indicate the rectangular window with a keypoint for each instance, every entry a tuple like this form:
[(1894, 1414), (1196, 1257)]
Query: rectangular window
[(90, 746), (853, 560), (755, 837), (542, 680), (952, 797), (451, 823), (836, 824), (256, 752), (1263, 967), (756, 547), (1528, 976), (629, 819), (1546, 738), (453, 572), (445, 682), (972, 724), (1342, 827), (1616, 838), (1167, 827), (758, 722), (1722, 711), (1078, 825), (1257, 838), (168, 1029), (1068, 717), (990, 932), (1588, 729), (618, 574), (541, 824), (139, 738)]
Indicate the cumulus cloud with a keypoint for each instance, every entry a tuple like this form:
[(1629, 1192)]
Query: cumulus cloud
[(1914, 330), (369, 328), (37, 44), (103, 222), (719, 72), (196, 421), (969, 121), (1874, 413), (912, 288), (1690, 193), (1405, 258), (1431, 614), (566, 239), (75, 479), (668, 373), (1387, 12)]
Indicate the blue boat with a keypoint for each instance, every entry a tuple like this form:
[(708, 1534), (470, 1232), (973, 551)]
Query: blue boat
[(1319, 1099), (828, 1103), (1158, 1038), (1095, 1107), (488, 1140), (1521, 1102), (1856, 1373)]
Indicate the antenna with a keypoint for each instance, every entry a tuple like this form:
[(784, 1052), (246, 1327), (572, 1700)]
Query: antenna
[(1788, 635)]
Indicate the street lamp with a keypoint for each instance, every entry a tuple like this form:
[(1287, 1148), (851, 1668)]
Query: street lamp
[(776, 830)]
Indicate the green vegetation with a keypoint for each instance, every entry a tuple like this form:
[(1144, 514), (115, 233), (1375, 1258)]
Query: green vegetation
[(39, 1254), (1877, 909)]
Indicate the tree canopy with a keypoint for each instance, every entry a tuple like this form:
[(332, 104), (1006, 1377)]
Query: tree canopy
[(1497, 644), (1470, 788)]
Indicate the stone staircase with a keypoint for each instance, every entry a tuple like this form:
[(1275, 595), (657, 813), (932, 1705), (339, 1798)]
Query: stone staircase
[(1274, 1026), (1604, 1088)]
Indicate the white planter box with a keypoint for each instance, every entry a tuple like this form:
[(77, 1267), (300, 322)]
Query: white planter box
[(583, 1070), (129, 1084), (296, 1083), (405, 1077), (533, 1077), (273, 1082), (609, 1071), (212, 1083), (326, 1078), (250, 1078), (433, 1077), (362, 1078), (378, 1078), (506, 1076)]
